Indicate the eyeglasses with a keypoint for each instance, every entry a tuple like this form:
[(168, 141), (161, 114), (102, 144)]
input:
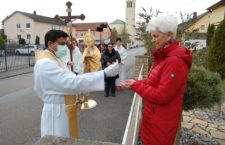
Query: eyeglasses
[(110, 46)]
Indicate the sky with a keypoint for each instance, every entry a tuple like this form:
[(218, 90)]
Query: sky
[(100, 10)]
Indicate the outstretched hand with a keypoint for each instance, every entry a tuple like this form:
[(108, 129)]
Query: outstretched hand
[(112, 70), (127, 84)]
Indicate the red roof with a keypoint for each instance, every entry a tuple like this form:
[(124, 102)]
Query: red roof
[(86, 26)]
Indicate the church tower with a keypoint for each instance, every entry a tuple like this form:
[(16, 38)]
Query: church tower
[(130, 19)]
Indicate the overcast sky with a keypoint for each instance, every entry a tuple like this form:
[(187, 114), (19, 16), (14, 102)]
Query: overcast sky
[(100, 10)]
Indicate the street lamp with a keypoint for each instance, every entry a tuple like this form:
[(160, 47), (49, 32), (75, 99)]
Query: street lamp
[(100, 29)]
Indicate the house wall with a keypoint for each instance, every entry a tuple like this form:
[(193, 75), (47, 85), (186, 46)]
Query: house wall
[(217, 15), (11, 30), (205, 20), (36, 28), (42, 28), (213, 17)]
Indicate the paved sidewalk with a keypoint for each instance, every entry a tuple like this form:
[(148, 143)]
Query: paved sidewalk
[(16, 72), (208, 123)]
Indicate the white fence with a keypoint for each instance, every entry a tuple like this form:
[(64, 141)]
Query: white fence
[(132, 128)]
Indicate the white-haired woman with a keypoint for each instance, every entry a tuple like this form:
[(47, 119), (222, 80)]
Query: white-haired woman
[(162, 92)]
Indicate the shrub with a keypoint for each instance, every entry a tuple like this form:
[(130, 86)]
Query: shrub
[(204, 89)]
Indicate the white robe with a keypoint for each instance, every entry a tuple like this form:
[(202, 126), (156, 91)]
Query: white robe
[(78, 66), (122, 69), (51, 83)]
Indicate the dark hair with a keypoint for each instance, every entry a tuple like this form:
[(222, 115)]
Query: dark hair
[(107, 50), (74, 39), (110, 43), (118, 39), (54, 35)]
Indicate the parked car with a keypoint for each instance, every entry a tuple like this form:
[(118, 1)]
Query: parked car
[(132, 46), (24, 49)]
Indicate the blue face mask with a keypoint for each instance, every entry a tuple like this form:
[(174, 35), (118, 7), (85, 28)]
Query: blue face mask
[(61, 51)]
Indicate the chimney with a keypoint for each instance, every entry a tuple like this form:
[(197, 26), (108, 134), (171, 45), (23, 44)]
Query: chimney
[(195, 15), (34, 12)]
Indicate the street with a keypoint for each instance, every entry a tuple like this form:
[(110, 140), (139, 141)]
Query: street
[(20, 111)]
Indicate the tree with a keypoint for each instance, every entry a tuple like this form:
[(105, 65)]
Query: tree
[(210, 33), (37, 40), (144, 18), (114, 35), (216, 54), (1, 40), (22, 41), (125, 36), (4, 36)]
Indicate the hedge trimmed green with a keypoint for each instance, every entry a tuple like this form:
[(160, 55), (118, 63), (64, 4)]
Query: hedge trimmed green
[(216, 55), (204, 89)]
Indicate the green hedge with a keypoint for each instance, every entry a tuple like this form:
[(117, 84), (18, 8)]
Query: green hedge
[(216, 55), (204, 89)]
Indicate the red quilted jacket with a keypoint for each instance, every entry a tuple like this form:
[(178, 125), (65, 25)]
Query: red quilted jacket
[(162, 94)]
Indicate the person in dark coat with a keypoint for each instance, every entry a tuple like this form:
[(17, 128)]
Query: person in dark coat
[(163, 90), (110, 56)]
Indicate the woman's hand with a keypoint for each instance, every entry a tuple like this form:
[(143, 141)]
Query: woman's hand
[(127, 84)]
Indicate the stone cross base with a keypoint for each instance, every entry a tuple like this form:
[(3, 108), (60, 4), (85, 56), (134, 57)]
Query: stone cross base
[(52, 140)]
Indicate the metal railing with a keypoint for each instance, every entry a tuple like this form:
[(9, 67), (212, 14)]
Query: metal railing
[(132, 128), (9, 60)]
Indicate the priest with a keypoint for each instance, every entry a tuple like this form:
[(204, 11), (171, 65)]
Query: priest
[(55, 85)]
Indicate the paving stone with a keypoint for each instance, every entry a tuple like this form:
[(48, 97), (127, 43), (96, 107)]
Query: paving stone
[(201, 126), (199, 130), (187, 113), (198, 121), (187, 125), (221, 141), (201, 117), (208, 129), (217, 134), (212, 125), (187, 119), (208, 120), (221, 123), (222, 127)]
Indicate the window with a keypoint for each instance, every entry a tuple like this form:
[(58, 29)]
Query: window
[(27, 25), (18, 26), (18, 36), (202, 27), (28, 36), (129, 4)]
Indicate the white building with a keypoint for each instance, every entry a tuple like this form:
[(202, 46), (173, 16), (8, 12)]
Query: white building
[(119, 25), (28, 26)]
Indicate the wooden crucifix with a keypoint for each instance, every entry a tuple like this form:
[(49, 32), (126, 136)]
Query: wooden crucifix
[(68, 20)]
